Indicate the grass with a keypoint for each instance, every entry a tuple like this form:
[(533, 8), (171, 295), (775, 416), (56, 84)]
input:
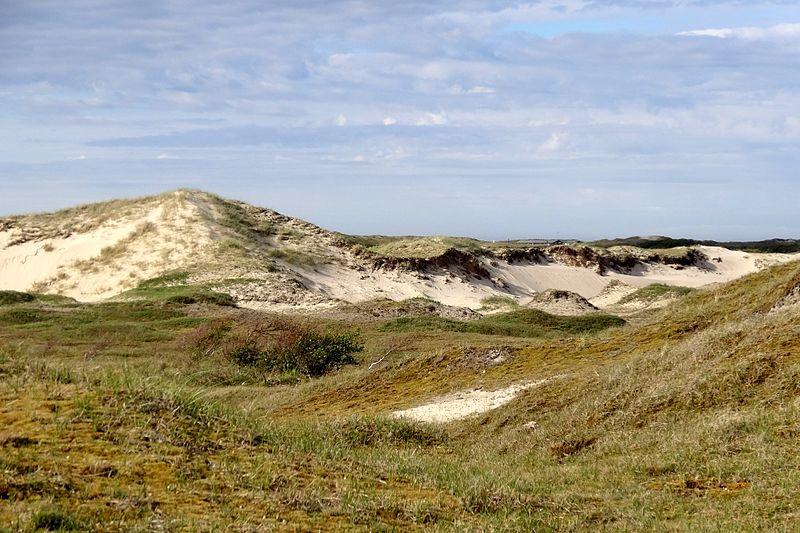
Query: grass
[(520, 323), (492, 303), (294, 257), (15, 297), (766, 246), (166, 280), (656, 291), (181, 294), (687, 420), (425, 247)]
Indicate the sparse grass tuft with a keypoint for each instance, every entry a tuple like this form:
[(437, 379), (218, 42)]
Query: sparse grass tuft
[(51, 519), (165, 280), (425, 247), (377, 430), (293, 257)]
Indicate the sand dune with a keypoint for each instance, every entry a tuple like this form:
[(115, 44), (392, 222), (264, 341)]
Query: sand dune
[(96, 252)]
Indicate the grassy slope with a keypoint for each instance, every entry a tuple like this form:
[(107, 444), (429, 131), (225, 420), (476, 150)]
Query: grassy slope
[(656, 291), (687, 421), (785, 246)]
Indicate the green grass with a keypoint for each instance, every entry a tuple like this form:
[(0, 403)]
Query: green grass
[(521, 323), (491, 303), (294, 257), (166, 280), (656, 291), (425, 247), (766, 246), (55, 520), (179, 294), (15, 297)]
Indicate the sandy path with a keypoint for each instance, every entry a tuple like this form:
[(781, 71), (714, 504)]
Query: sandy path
[(465, 403)]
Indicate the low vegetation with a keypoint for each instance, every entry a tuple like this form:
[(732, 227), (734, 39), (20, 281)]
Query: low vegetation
[(275, 344), (142, 415), (784, 246), (160, 290), (654, 292), (494, 303), (521, 323)]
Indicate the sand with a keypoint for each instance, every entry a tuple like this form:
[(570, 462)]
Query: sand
[(181, 230), (108, 259), (464, 404)]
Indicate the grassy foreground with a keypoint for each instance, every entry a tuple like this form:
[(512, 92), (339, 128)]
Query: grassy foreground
[(688, 420)]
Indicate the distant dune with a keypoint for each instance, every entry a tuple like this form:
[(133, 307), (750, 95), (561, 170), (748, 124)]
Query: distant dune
[(270, 261)]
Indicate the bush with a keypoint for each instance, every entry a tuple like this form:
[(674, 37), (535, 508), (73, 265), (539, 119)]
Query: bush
[(14, 297), (275, 344)]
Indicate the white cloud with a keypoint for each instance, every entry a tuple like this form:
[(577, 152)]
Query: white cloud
[(432, 119), (80, 157), (163, 156), (389, 121), (553, 143), (341, 120), (779, 31), (480, 89)]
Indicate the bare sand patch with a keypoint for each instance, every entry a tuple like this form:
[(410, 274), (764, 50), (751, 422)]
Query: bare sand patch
[(467, 403)]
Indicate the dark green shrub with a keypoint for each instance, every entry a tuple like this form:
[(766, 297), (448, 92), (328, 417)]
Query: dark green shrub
[(315, 354), (275, 344), (14, 297)]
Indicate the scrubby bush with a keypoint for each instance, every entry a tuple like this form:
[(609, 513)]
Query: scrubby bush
[(14, 297), (275, 344)]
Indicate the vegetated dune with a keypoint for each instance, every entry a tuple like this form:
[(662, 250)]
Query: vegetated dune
[(267, 260), (686, 418)]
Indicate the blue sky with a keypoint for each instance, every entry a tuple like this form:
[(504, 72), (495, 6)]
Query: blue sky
[(582, 118)]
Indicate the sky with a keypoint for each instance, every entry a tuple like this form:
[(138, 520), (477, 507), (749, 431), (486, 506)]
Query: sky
[(551, 118)]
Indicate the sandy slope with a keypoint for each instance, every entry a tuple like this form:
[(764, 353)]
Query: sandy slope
[(148, 240), (523, 280), (98, 251)]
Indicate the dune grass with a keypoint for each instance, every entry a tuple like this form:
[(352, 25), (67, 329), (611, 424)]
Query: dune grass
[(520, 323), (685, 421), (180, 294), (656, 291)]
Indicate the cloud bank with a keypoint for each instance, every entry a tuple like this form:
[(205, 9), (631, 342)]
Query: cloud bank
[(473, 117)]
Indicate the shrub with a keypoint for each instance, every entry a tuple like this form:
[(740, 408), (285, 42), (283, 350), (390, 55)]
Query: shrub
[(276, 344), (14, 297)]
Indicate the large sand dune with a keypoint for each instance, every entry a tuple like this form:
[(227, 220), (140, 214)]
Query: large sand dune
[(270, 261)]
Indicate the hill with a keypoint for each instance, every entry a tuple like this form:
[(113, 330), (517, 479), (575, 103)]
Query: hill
[(266, 260), (172, 413)]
